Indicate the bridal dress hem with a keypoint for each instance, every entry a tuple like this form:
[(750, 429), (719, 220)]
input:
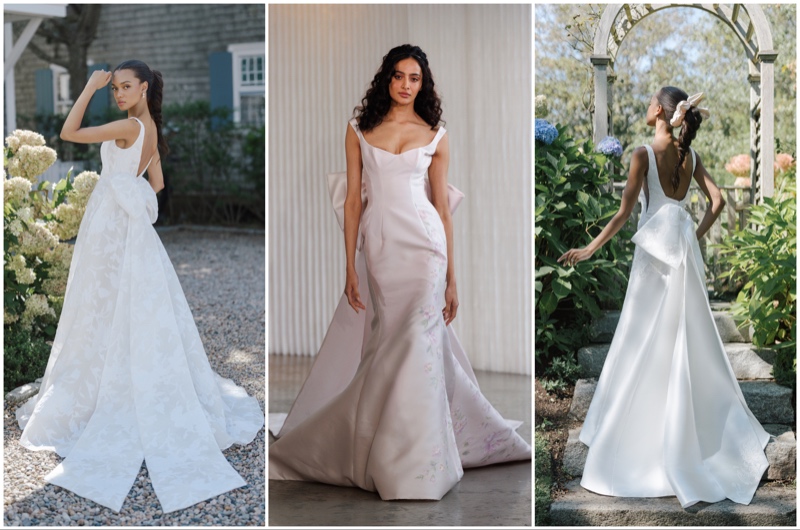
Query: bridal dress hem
[(391, 403), (668, 416), (128, 379)]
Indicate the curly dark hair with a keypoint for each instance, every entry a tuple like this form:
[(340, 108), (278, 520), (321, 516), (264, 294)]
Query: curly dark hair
[(669, 97), (376, 103)]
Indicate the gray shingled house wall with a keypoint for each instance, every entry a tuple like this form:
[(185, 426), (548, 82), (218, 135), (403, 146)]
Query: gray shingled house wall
[(175, 39)]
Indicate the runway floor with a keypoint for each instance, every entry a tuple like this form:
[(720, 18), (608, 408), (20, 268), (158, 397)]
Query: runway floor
[(498, 495)]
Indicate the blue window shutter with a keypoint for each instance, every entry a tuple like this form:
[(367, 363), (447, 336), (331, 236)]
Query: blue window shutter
[(44, 92), (99, 103), (220, 67)]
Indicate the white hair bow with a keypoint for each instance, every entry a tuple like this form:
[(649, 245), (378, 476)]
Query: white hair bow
[(683, 106)]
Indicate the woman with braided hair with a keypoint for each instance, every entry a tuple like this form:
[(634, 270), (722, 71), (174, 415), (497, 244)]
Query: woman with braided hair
[(391, 404), (128, 378), (668, 416)]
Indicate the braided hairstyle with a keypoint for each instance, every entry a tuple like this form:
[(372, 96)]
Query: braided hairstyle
[(669, 97), (377, 101), (155, 93)]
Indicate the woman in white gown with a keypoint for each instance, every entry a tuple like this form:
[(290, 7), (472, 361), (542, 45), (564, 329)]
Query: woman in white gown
[(668, 416), (128, 378), (391, 404)]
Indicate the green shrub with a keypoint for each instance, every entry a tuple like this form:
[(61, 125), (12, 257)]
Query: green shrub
[(572, 206), (765, 253), (543, 479), (24, 357)]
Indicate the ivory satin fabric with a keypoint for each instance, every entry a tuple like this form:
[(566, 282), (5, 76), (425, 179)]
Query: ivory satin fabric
[(391, 404), (128, 379), (668, 416)]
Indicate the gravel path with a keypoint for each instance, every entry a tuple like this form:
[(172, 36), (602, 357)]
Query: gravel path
[(222, 275)]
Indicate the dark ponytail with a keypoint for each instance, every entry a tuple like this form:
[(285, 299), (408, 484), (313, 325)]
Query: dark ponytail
[(669, 97), (691, 122), (155, 94), (154, 97)]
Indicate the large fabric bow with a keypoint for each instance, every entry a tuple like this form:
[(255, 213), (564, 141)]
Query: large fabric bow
[(684, 106)]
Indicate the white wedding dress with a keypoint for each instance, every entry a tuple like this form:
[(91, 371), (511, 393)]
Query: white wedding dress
[(668, 416), (128, 378)]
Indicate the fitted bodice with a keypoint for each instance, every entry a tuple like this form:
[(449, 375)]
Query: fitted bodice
[(389, 177), (123, 161), (657, 198)]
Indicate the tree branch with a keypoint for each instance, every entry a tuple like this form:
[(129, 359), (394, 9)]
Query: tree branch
[(41, 54)]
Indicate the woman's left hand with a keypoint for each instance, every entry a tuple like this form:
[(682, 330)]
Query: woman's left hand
[(575, 255), (450, 303)]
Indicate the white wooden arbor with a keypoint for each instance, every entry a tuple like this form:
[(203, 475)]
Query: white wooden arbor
[(750, 25)]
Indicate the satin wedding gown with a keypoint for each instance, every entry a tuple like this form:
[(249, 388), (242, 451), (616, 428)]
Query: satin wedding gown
[(391, 404), (668, 416), (128, 378)]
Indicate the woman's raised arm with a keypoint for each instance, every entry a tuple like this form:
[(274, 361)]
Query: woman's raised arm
[(116, 130)]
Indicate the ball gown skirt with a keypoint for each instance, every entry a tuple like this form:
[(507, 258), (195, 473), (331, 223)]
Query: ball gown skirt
[(391, 404), (668, 416), (128, 379)]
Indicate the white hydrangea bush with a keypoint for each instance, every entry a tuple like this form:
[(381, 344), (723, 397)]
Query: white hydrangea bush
[(37, 220)]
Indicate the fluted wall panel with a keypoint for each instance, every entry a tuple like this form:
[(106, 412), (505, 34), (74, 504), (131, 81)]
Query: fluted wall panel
[(321, 60)]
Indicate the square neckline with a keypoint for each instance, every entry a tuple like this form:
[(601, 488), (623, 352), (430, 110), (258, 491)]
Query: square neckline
[(361, 135)]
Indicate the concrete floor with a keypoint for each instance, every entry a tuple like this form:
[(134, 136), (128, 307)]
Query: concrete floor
[(498, 495)]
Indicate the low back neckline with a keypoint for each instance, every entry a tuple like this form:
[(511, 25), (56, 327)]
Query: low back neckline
[(654, 166), (139, 139)]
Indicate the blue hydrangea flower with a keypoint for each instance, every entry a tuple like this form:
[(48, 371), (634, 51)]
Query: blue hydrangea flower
[(610, 146), (545, 132)]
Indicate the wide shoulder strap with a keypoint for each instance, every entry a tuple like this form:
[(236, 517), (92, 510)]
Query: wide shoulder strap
[(354, 124), (439, 135), (141, 128), (651, 163)]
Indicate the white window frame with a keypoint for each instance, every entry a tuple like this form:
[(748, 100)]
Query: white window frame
[(238, 51), (58, 103)]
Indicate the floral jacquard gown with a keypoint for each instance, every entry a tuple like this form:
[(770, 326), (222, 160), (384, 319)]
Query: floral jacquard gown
[(391, 404), (668, 416), (128, 379)]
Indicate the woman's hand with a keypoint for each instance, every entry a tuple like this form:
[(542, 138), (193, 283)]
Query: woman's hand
[(575, 255), (450, 303), (351, 291), (98, 80)]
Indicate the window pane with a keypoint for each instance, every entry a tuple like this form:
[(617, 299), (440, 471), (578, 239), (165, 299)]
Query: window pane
[(252, 110)]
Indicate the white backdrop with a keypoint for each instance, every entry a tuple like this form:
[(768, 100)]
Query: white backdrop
[(321, 60)]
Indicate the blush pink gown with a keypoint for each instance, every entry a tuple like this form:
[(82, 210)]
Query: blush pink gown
[(391, 404)]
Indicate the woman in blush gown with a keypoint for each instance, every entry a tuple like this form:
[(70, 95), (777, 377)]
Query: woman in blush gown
[(391, 404), (668, 416), (128, 379)]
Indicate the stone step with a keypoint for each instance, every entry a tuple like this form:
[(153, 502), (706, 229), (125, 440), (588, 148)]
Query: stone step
[(781, 453), (747, 361), (769, 402), (602, 329), (773, 505)]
